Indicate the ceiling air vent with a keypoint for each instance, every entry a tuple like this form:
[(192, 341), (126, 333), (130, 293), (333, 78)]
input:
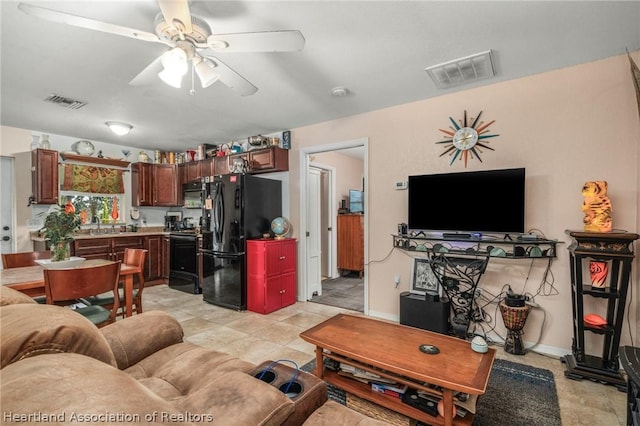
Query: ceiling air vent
[(462, 71), (65, 102)]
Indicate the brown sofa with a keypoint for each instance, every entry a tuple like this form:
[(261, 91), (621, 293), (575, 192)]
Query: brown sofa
[(58, 367)]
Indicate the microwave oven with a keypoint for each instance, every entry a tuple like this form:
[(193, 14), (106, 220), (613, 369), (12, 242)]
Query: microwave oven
[(192, 195)]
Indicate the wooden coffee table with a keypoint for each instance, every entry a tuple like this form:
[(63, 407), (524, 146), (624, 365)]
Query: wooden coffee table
[(393, 351)]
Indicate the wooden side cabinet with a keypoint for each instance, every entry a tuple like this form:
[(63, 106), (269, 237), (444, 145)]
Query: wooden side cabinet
[(271, 274), (44, 176), (351, 243)]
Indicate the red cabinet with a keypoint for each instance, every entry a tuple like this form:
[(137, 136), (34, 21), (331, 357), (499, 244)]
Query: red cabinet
[(271, 274)]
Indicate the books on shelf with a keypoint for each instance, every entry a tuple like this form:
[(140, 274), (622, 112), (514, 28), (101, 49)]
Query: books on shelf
[(395, 390), (350, 370)]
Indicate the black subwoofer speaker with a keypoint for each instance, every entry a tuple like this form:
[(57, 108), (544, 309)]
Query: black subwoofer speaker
[(418, 311)]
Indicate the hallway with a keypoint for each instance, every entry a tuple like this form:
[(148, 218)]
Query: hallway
[(345, 292)]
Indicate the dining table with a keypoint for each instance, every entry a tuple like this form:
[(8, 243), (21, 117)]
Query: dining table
[(30, 279)]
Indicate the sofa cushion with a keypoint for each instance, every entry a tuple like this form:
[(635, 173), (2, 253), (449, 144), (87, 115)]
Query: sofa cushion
[(9, 296), (67, 385), (184, 368), (240, 399), (140, 336), (27, 330)]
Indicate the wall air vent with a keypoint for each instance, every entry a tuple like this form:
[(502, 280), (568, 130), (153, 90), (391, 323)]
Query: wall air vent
[(64, 102), (462, 71)]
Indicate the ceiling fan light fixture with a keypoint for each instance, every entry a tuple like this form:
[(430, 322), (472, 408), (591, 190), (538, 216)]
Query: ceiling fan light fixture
[(175, 60), (171, 78), (120, 129), (205, 72)]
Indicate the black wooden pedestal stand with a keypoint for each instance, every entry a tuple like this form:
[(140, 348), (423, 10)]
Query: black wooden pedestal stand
[(615, 248)]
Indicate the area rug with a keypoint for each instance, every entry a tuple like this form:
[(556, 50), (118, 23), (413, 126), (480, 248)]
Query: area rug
[(516, 394)]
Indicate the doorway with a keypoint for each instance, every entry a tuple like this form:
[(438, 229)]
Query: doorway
[(322, 169), (7, 235)]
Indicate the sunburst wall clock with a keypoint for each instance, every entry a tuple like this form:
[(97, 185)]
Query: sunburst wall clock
[(466, 138)]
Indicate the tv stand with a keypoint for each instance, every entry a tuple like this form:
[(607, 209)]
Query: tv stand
[(459, 267)]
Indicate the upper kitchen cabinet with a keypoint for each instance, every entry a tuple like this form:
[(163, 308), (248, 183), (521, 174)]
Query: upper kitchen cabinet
[(272, 159), (265, 160), (154, 184), (44, 176)]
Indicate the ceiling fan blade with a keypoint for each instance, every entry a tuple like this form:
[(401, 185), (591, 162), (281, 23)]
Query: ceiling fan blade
[(266, 41), (149, 75), (232, 79), (78, 21), (176, 13)]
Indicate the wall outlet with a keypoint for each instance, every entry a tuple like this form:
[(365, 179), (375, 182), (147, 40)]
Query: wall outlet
[(396, 279)]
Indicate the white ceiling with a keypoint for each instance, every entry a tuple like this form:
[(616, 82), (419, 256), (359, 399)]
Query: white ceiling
[(378, 50)]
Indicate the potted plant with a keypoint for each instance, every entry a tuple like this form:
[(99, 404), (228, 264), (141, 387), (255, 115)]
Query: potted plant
[(59, 226)]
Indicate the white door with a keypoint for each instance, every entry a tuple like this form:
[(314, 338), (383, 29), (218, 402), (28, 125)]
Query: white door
[(7, 233), (314, 285)]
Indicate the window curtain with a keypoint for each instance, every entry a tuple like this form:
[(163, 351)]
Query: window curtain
[(91, 179)]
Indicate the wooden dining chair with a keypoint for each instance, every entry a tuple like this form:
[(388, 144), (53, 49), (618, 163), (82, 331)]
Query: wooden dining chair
[(28, 258), (18, 260), (68, 286), (132, 257)]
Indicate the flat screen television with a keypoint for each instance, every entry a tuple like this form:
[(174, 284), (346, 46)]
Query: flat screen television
[(483, 201), (356, 201)]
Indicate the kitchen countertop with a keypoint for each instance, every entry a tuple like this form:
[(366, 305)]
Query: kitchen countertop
[(158, 230)]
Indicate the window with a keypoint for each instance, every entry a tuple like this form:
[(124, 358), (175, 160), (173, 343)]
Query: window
[(95, 208)]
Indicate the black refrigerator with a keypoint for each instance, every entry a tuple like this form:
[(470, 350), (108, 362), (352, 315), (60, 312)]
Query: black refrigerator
[(237, 207)]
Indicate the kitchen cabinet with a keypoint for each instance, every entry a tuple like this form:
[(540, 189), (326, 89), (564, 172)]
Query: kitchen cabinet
[(207, 167), (221, 166), (271, 274), (265, 160), (110, 248), (272, 159), (193, 170), (351, 243), (154, 263), (154, 184), (44, 176)]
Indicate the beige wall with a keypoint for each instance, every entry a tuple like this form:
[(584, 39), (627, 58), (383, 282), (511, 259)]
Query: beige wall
[(565, 127), (349, 172)]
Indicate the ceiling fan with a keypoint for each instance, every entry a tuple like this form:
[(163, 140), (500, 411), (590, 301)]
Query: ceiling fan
[(190, 41)]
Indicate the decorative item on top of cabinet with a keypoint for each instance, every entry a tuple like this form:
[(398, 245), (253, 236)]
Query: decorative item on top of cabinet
[(351, 243), (271, 274), (44, 177)]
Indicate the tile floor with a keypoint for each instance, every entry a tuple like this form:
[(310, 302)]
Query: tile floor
[(257, 338)]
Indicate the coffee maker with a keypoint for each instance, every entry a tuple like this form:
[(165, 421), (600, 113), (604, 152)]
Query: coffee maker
[(172, 221)]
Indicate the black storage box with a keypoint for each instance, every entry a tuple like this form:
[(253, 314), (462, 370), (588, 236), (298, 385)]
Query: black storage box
[(422, 312)]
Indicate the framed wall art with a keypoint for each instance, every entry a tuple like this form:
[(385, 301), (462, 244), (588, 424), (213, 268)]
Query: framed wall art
[(423, 279)]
